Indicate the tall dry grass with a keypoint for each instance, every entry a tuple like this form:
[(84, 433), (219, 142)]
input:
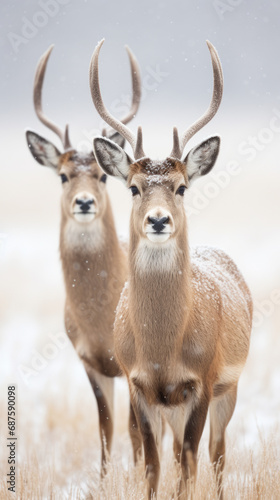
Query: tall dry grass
[(59, 453)]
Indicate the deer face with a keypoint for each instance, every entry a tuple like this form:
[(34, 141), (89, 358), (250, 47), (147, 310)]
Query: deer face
[(157, 187), (157, 190), (84, 195)]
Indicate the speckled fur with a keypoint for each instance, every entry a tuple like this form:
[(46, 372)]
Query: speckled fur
[(181, 334)]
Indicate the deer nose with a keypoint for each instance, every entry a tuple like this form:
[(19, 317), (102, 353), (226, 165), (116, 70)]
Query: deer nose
[(158, 224), (84, 204)]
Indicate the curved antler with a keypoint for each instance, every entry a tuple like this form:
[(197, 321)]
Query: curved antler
[(180, 143), (118, 125), (136, 89), (37, 99)]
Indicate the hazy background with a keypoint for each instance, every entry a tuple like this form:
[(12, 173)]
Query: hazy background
[(242, 217)]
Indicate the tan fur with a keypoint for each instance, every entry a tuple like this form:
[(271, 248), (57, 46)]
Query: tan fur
[(182, 329), (95, 268), (94, 263)]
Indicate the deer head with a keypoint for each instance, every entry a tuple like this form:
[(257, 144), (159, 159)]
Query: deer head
[(157, 187), (84, 195)]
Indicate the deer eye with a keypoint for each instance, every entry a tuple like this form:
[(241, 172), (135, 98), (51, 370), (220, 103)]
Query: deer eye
[(103, 178), (63, 178), (181, 190), (134, 190)]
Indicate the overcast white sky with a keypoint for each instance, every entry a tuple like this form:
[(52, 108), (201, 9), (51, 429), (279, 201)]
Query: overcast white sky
[(168, 34)]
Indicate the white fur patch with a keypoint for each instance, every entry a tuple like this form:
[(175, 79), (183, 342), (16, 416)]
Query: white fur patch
[(89, 236), (158, 237), (84, 217), (51, 154), (46, 151), (153, 257), (153, 415), (177, 418), (202, 158), (192, 168)]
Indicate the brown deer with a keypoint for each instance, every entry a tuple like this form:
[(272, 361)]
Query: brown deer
[(93, 260), (183, 322)]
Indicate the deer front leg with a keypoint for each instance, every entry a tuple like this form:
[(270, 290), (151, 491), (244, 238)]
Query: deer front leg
[(135, 435), (149, 423), (103, 388), (221, 411), (192, 435)]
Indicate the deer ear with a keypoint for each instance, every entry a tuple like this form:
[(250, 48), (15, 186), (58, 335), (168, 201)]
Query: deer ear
[(201, 159), (118, 139), (111, 158), (43, 151)]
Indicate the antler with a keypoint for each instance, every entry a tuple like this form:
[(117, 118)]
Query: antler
[(118, 125), (37, 99), (180, 143), (136, 89)]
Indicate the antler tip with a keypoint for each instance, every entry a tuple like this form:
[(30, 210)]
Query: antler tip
[(138, 150), (132, 57), (95, 54), (211, 48), (100, 43), (176, 150), (66, 140), (48, 51)]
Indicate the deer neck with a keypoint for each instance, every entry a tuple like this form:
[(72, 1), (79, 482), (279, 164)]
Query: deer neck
[(90, 253), (160, 296)]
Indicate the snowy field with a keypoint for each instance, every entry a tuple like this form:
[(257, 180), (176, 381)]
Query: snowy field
[(57, 417)]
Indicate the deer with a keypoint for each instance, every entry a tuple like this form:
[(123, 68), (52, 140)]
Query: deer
[(94, 261), (183, 322)]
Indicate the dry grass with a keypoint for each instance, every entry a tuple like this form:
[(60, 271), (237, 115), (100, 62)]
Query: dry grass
[(58, 458)]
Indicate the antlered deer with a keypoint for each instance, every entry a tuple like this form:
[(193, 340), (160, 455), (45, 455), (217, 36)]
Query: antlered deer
[(183, 323), (93, 260)]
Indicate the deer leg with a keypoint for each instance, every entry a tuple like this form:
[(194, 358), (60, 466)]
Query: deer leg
[(192, 435), (135, 435), (103, 388), (177, 448), (149, 423), (163, 429), (177, 420), (221, 411)]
